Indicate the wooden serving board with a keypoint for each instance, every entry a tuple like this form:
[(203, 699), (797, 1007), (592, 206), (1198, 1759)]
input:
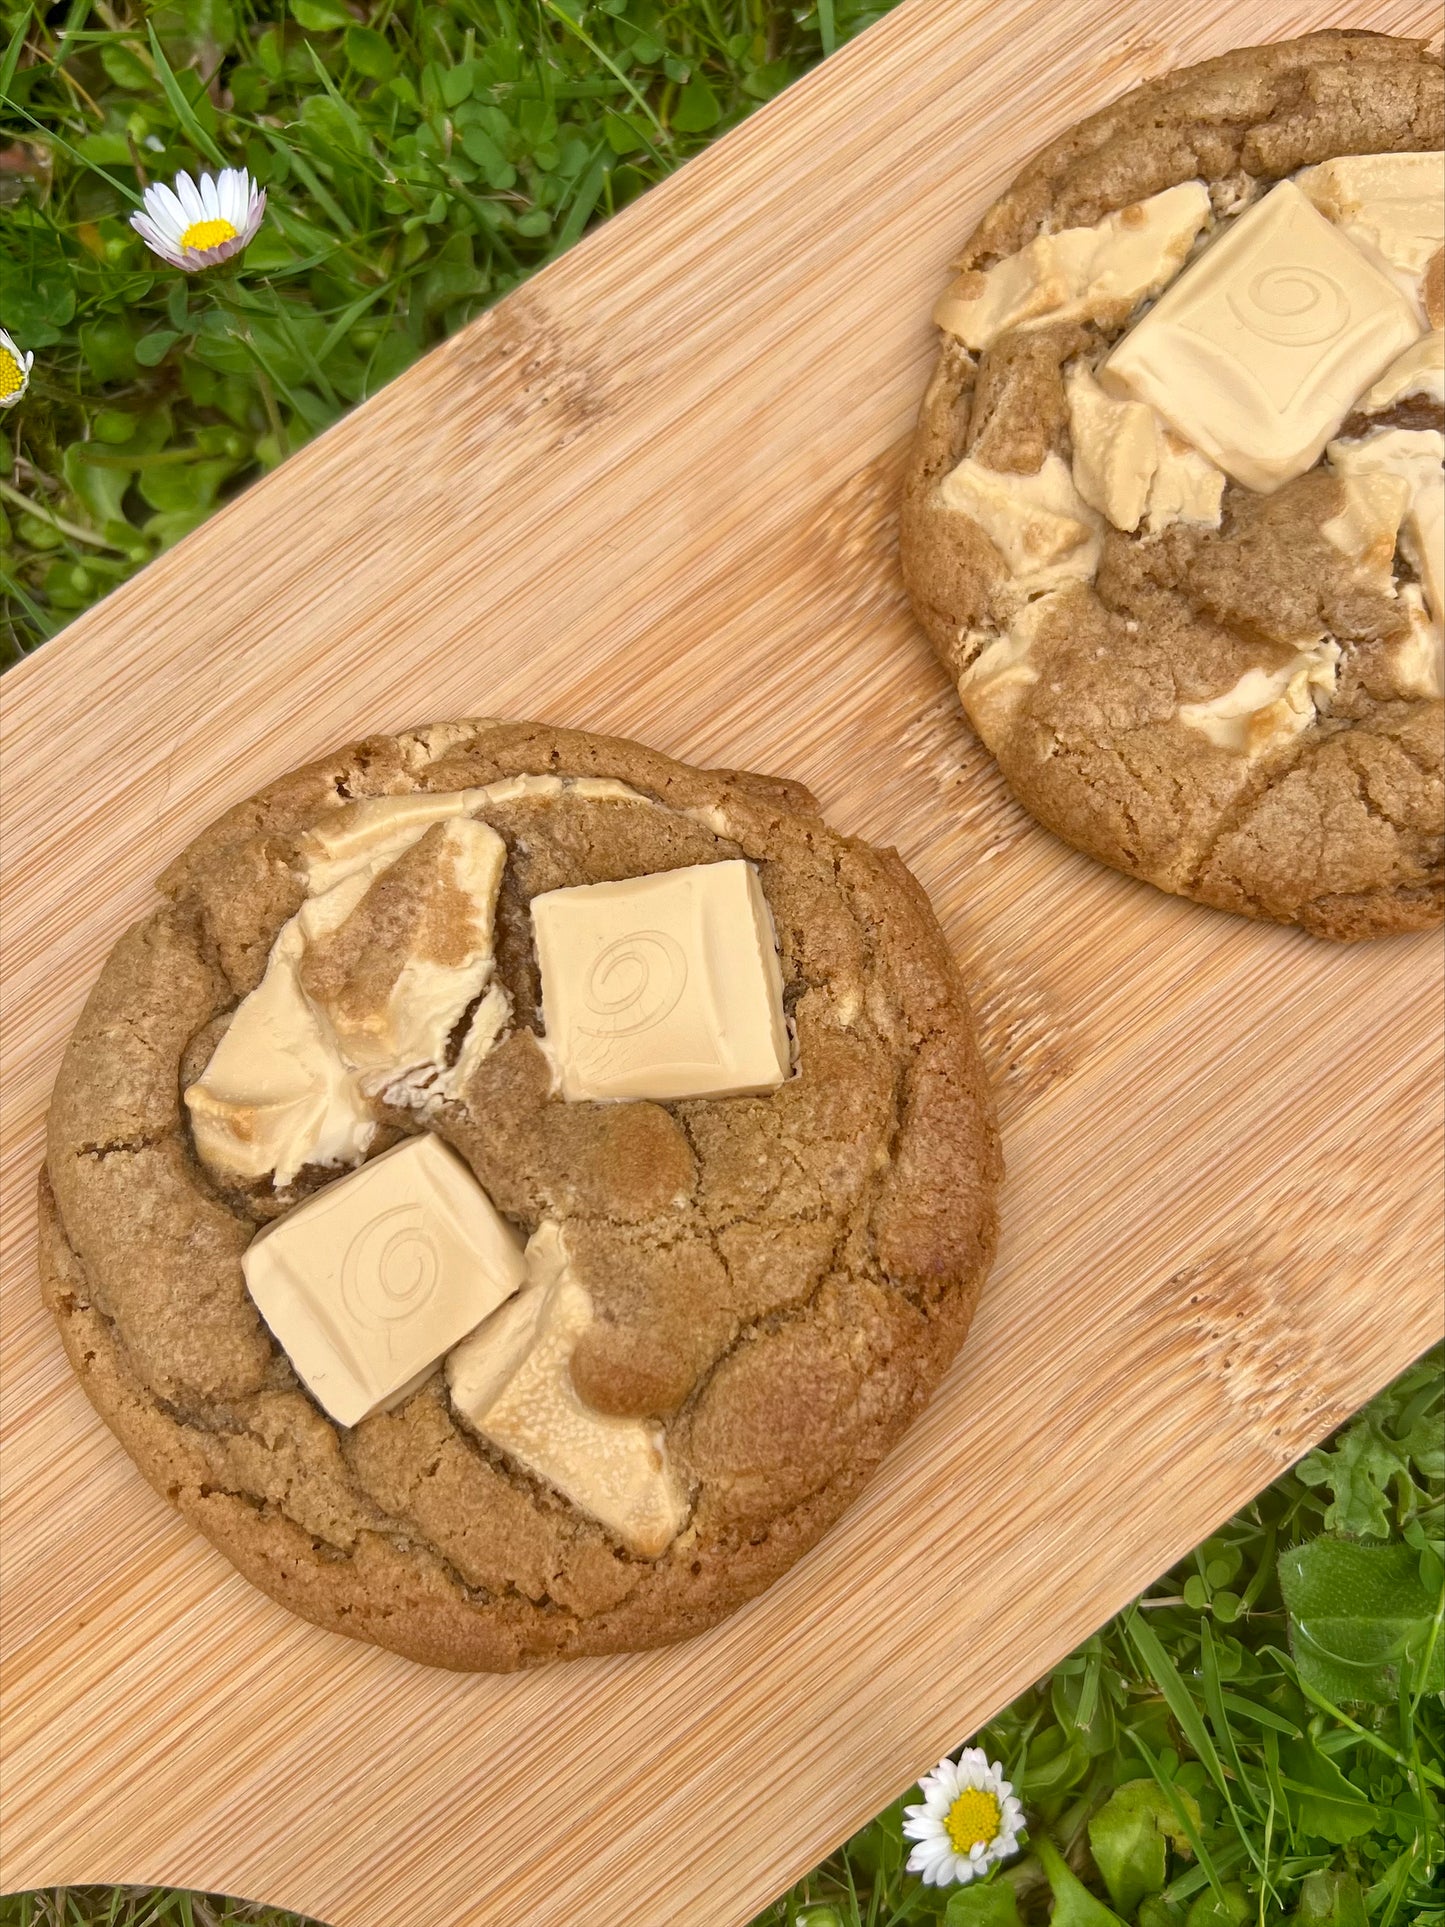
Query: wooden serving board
[(653, 492)]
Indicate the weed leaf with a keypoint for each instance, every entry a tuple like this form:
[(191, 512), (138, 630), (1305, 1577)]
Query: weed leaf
[(1360, 1619), (1330, 1899), (1328, 1807), (991, 1905), (1074, 1905), (1129, 1838)]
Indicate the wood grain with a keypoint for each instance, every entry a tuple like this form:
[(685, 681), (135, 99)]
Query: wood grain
[(653, 493)]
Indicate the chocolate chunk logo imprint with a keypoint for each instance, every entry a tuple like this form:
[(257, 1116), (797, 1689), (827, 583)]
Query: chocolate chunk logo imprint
[(635, 983), (549, 1241), (1296, 307), (391, 1268)]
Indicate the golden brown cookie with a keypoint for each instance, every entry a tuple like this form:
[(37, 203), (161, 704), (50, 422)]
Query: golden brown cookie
[(1172, 518), (765, 1288)]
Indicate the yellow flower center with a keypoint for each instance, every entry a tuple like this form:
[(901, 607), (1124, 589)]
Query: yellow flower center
[(207, 234), (12, 375), (973, 1819)]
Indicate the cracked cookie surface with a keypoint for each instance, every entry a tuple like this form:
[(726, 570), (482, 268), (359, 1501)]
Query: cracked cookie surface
[(1232, 693), (778, 1281)]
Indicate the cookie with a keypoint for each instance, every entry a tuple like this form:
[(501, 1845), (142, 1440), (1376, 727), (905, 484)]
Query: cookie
[(515, 1188), (1173, 512)]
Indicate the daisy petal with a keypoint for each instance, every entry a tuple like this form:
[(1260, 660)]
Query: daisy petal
[(189, 196), (157, 242), (231, 198), (165, 208)]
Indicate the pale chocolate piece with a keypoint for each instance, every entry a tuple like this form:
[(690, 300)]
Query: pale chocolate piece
[(397, 975), (662, 986), (371, 1281), (276, 1094), (1391, 206), (1258, 351), (1419, 657), (1367, 528), (1092, 273), (512, 1380), (1419, 371), (1002, 671), (1266, 708), (1186, 487), (1415, 457), (1040, 524), (373, 831), (1116, 449), (1132, 468), (366, 836), (362, 992)]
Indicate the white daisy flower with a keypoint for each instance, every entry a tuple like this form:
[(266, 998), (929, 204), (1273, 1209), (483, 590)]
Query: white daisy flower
[(14, 371), (198, 223), (968, 1822)]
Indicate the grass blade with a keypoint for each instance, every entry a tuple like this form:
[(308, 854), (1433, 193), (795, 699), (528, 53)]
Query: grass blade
[(12, 57), (639, 98), (180, 106), (346, 321), (589, 192), (1190, 1721), (1206, 1860), (309, 179), (1423, 1665), (364, 149), (1361, 1732), (1261, 1715), (1177, 1696), (1219, 1715), (57, 139)]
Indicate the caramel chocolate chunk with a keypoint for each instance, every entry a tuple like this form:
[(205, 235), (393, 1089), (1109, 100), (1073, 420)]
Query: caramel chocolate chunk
[(397, 975), (1258, 351), (371, 1281), (512, 1381), (1085, 273), (662, 986), (276, 1094)]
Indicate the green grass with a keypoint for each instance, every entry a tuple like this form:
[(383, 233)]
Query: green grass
[(420, 160), (135, 1907), (1260, 1738)]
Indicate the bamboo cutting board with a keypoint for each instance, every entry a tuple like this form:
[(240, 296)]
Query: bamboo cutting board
[(653, 493)]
